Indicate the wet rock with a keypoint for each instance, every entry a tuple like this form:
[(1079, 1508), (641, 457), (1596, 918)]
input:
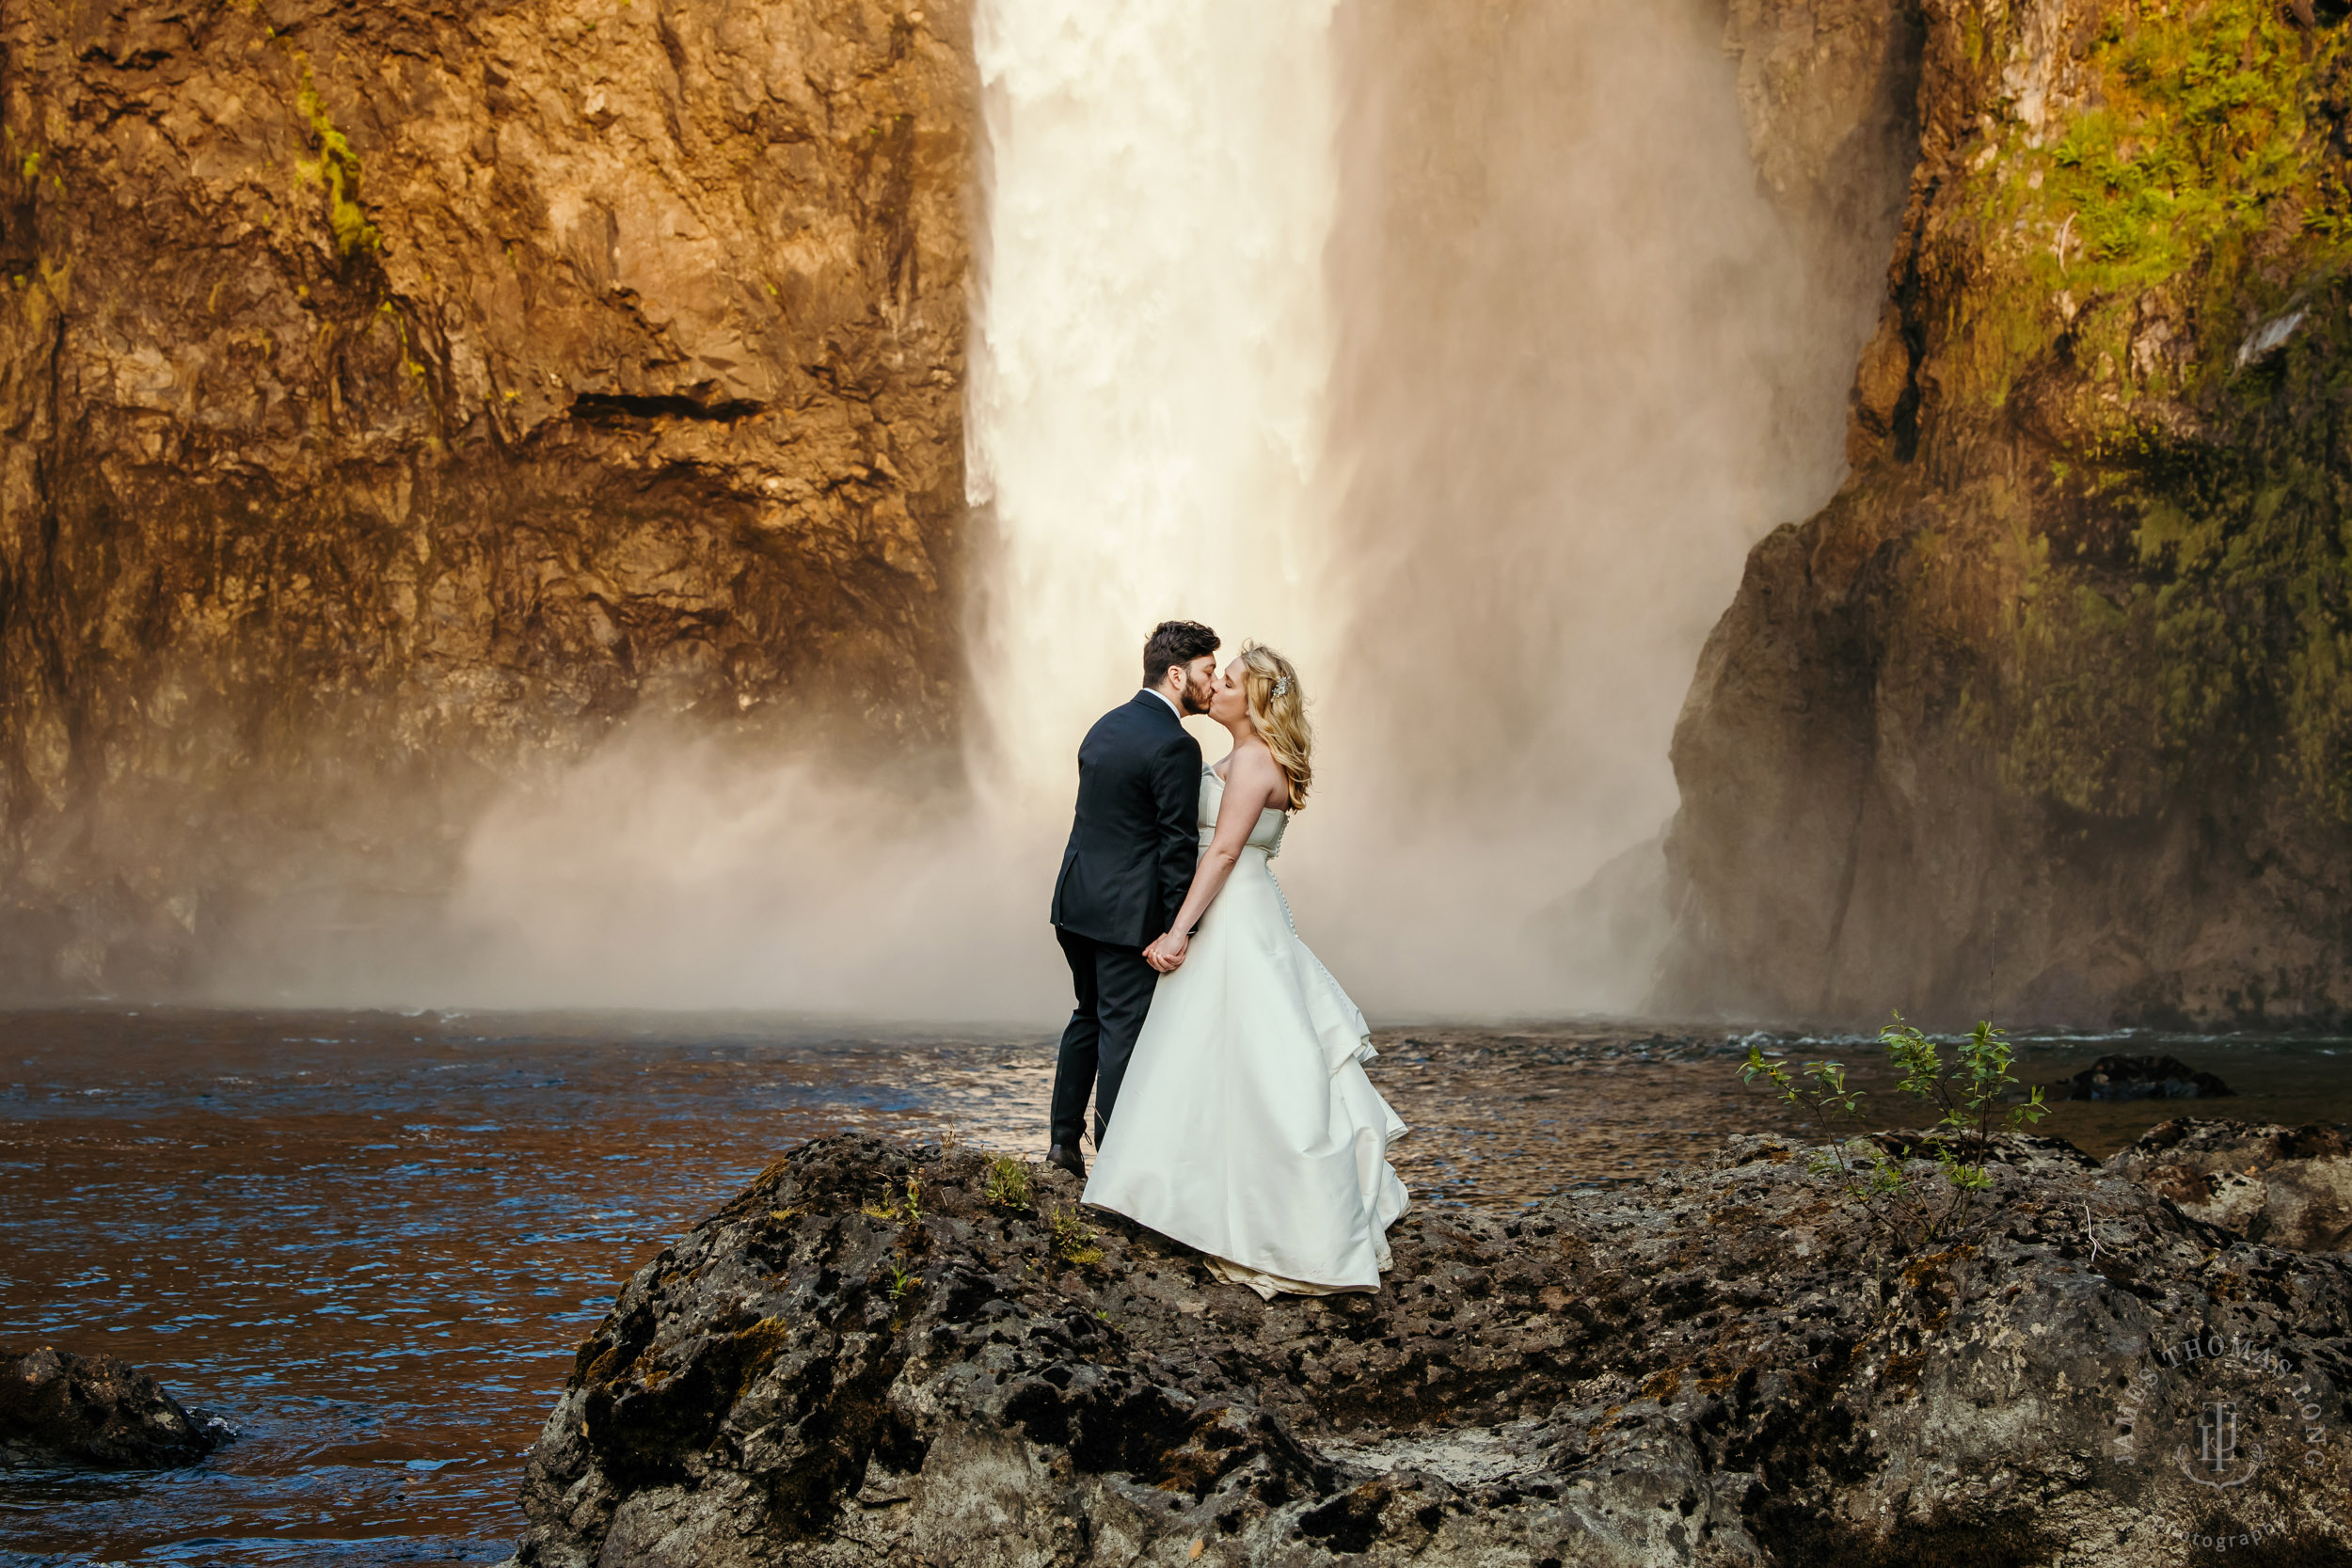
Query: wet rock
[(2285, 1186), (2118, 1077), (881, 1354), (59, 1408)]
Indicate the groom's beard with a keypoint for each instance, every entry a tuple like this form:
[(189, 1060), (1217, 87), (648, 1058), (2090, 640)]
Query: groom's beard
[(1196, 695)]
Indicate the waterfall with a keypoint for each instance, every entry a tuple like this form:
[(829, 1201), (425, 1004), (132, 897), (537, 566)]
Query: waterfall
[(1151, 352), (1450, 348)]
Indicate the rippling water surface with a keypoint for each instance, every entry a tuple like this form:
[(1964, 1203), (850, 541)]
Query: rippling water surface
[(372, 1240)]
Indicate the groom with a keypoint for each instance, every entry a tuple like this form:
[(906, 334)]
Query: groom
[(1129, 860)]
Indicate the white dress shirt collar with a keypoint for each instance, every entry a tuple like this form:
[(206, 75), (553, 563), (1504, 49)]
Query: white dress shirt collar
[(1171, 706)]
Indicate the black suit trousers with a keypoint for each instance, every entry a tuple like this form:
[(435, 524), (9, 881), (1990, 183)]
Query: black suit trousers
[(1113, 987)]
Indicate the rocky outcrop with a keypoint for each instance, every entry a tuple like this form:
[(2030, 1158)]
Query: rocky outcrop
[(391, 395), (2285, 1186), (2121, 1077), (2046, 715), (57, 1408), (884, 1354)]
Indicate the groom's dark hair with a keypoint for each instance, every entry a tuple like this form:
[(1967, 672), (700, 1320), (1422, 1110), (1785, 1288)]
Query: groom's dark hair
[(1174, 642)]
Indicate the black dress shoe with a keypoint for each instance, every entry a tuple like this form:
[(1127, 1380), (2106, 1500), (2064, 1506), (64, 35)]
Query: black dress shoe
[(1066, 1158)]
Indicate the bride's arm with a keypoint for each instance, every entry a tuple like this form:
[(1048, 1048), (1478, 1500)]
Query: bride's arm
[(1249, 783)]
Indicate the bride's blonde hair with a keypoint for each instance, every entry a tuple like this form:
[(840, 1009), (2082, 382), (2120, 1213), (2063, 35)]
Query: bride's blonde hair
[(1277, 711)]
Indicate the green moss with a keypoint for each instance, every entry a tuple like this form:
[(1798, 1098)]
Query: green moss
[(2214, 639), (337, 168), (2206, 127), (756, 1349), (2202, 167), (2174, 585), (2081, 721)]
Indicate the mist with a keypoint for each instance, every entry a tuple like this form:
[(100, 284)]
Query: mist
[(1454, 351), (1585, 365)]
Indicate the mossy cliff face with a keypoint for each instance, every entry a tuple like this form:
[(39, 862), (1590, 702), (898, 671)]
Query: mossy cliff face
[(391, 395), (2049, 712)]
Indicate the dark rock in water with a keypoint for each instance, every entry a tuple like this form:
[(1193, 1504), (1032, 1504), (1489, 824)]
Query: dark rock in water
[(887, 1355), (2285, 1186), (59, 1408), (2118, 1077)]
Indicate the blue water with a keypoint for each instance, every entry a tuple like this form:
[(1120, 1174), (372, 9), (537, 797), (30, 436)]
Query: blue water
[(372, 1241)]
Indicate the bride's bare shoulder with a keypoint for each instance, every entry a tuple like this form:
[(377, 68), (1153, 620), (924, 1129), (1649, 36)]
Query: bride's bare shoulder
[(1252, 770)]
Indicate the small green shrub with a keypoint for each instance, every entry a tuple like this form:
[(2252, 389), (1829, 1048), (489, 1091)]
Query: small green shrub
[(1008, 1184), (1970, 1095), (907, 1209), (1072, 1241)]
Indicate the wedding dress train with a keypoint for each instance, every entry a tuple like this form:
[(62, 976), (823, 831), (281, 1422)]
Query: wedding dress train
[(1245, 1127)]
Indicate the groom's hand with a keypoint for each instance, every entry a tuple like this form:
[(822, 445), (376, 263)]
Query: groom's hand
[(1166, 953)]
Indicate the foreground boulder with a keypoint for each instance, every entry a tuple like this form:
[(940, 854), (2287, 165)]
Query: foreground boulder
[(2286, 1186), (59, 1408), (881, 1354)]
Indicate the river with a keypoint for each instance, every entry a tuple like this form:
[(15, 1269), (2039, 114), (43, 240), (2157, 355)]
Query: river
[(371, 1241)]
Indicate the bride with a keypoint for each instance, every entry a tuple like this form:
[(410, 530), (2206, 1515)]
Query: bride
[(1246, 1127)]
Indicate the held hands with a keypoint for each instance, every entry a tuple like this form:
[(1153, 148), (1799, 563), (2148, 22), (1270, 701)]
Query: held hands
[(1166, 953)]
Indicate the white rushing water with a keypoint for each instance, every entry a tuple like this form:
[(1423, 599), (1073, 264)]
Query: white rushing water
[(1150, 352)]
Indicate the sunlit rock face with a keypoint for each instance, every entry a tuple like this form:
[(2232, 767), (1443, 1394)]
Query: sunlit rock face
[(2048, 713), (389, 395)]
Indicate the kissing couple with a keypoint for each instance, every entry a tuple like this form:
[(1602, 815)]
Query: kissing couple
[(1230, 1058)]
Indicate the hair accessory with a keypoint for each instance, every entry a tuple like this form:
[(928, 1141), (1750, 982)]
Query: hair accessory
[(1281, 686)]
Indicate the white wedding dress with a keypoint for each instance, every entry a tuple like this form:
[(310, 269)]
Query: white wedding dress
[(1245, 1126)]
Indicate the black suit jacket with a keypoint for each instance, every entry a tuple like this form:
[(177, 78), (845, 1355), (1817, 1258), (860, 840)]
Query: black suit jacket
[(1135, 841)]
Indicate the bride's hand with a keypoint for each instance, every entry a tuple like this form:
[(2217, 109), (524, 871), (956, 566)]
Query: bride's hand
[(1166, 954)]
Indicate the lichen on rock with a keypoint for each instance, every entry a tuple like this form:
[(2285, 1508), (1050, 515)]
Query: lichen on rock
[(2285, 1186)]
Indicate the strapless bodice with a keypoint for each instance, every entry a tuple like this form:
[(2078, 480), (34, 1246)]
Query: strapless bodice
[(1266, 835)]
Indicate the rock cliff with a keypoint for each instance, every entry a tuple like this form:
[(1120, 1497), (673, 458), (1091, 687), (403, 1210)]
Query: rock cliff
[(390, 394), (2048, 713), (884, 1354)]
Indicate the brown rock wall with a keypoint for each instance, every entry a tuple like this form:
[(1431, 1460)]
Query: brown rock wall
[(392, 394), (2044, 715)]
